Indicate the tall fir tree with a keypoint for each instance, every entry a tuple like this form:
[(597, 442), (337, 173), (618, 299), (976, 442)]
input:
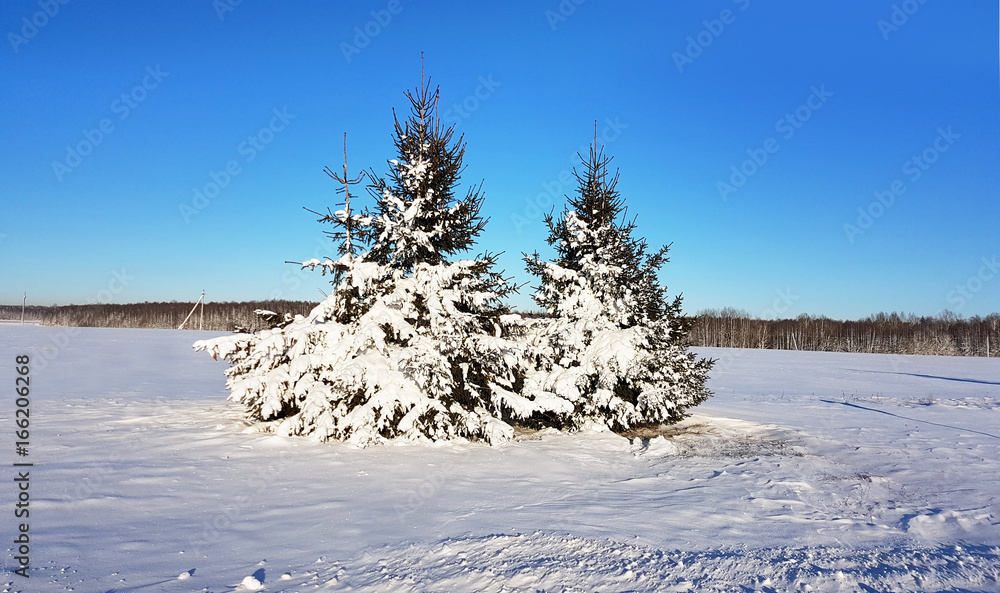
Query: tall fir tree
[(417, 218), (410, 343), (616, 348)]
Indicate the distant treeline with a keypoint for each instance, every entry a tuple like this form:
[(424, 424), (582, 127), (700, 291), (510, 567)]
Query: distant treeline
[(891, 333), (217, 317)]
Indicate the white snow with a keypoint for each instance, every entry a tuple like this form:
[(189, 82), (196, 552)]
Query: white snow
[(250, 583), (806, 471), (306, 378)]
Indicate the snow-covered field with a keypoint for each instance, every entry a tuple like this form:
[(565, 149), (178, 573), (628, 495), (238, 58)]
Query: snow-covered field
[(806, 471)]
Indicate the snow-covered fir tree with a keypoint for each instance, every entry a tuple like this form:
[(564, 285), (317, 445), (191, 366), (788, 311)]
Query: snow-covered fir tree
[(616, 348), (411, 343), (417, 218)]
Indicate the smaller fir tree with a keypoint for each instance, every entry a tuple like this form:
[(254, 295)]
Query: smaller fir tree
[(351, 234), (616, 348)]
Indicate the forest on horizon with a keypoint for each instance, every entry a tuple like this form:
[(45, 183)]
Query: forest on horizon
[(883, 333)]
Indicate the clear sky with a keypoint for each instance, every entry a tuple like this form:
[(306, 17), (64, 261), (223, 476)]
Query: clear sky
[(836, 158)]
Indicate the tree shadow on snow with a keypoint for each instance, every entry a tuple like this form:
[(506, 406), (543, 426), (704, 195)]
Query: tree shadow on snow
[(907, 418), (136, 587), (922, 376), (980, 381)]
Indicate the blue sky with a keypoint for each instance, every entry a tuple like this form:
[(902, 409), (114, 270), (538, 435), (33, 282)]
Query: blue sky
[(823, 158)]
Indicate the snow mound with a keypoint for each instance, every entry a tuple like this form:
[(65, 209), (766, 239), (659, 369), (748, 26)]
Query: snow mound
[(660, 447), (549, 562), (970, 403), (250, 583), (938, 525), (704, 436)]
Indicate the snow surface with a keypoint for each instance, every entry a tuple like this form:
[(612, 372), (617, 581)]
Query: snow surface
[(806, 471)]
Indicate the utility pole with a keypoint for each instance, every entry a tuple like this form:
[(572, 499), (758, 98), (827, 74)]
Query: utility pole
[(201, 321), (23, 302), (201, 301)]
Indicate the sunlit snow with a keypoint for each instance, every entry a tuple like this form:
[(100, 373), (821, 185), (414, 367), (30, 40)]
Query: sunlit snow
[(805, 471)]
